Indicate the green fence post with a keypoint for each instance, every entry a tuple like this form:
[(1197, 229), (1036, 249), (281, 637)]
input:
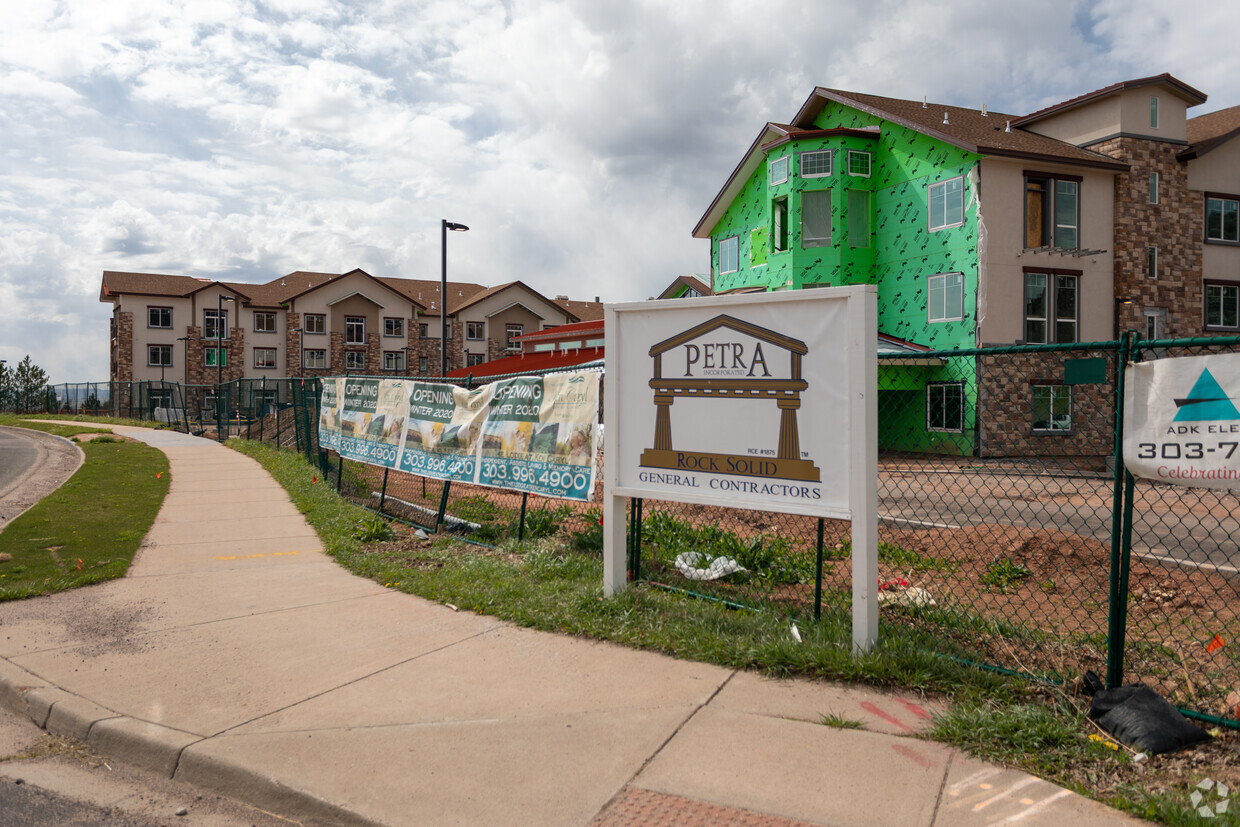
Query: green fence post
[(1117, 614), (521, 526), (818, 577), (340, 474), (443, 504)]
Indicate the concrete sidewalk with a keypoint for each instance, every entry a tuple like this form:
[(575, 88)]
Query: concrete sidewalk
[(240, 658)]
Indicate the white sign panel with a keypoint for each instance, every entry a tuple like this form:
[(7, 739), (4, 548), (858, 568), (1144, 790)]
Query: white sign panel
[(762, 401), (1182, 420), (733, 404)]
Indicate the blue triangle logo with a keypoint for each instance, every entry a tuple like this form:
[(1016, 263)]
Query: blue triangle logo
[(1206, 401)]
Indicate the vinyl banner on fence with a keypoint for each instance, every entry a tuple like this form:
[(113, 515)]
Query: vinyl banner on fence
[(535, 434), (1181, 421)]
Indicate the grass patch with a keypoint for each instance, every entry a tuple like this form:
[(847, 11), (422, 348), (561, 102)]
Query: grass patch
[(15, 421), (840, 722), (89, 529)]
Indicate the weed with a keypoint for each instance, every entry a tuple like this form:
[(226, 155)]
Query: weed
[(373, 530), (1004, 575), (840, 722)]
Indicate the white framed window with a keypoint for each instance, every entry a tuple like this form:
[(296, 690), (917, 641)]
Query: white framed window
[(946, 202), (210, 354), (1051, 408), (1151, 262), (264, 322), (355, 360), (423, 364), (1153, 112), (393, 360), (160, 317), (1155, 322), (945, 297), (475, 331), (393, 326), (1153, 187), (159, 356), (779, 170), (264, 357), (816, 164), (729, 254), (945, 407), (214, 324), (1222, 305), (314, 323), (1221, 219), (473, 359), (424, 330), (859, 163), (315, 359), (511, 331), (816, 218), (1050, 308), (355, 330)]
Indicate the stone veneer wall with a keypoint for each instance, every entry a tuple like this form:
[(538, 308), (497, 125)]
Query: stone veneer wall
[(1005, 415), (1175, 225), (122, 351)]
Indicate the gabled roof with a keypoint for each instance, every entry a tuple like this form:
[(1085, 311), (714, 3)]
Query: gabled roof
[(148, 284), (585, 311), (324, 278), (693, 282), (1177, 87), (425, 293), (1210, 131), (494, 291), (966, 128)]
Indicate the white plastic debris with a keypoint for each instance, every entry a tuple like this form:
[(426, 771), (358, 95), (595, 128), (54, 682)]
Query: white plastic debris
[(913, 597), (1206, 784), (690, 565), (421, 535), (796, 633)]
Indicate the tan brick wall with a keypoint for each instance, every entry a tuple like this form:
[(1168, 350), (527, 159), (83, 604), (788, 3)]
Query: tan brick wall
[(1175, 225)]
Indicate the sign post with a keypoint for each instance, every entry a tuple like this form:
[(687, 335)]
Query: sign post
[(761, 401)]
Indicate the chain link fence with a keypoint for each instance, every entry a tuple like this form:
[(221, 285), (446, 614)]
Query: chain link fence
[(1006, 537)]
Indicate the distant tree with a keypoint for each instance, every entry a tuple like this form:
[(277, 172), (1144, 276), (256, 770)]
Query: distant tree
[(7, 389), (30, 382)]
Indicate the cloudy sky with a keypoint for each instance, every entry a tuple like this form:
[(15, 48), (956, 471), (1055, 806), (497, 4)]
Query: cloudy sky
[(580, 141)]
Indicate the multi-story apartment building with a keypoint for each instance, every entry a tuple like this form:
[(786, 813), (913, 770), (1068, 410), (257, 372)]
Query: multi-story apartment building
[(193, 330), (1108, 211)]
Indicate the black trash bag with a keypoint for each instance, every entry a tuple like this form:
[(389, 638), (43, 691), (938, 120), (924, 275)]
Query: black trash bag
[(1141, 718)]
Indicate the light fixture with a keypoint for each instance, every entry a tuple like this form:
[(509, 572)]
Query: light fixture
[(445, 225)]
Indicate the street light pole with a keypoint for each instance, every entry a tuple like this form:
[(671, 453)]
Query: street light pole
[(220, 330), (445, 225)]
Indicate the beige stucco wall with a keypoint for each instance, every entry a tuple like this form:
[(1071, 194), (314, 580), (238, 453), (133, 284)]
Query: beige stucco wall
[(182, 315), (1082, 125), (1127, 112), (1216, 171), (373, 301), (1002, 259), (1172, 114)]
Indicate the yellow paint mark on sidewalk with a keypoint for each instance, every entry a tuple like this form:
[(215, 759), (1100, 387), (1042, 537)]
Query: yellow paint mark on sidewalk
[(265, 554)]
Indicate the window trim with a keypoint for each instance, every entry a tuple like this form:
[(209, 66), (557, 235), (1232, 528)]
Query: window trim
[(424, 364), (869, 163), (472, 360), (930, 190), (352, 356), (266, 314), (1154, 181), (159, 364), (1153, 112), (217, 315), (828, 153), (305, 323), (399, 324), (351, 323), (1050, 320), (945, 430), (397, 357), (1051, 430), (305, 359), (1151, 262), (150, 309), (1223, 197), (1205, 308), (811, 242), (781, 240), (930, 319), (734, 243), (481, 328), (509, 344), (785, 162), (207, 353), (275, 358)]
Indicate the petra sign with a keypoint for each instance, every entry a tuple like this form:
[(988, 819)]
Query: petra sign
[(760, 401)]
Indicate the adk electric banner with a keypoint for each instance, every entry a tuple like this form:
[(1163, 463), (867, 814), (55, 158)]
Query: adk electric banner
[(1181, 421), (535, 434)]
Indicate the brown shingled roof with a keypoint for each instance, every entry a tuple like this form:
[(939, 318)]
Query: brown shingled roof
[(1188, 93), (426, 293), (1205, 132), (148, 284)]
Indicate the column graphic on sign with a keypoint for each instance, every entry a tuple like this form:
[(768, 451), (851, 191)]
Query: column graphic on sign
[(725, 359)]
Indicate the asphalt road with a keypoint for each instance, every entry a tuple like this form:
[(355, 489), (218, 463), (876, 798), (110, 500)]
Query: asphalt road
[(18, 453)]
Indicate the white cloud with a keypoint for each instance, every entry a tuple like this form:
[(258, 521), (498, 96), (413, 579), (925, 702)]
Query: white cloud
[(580, 140)]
